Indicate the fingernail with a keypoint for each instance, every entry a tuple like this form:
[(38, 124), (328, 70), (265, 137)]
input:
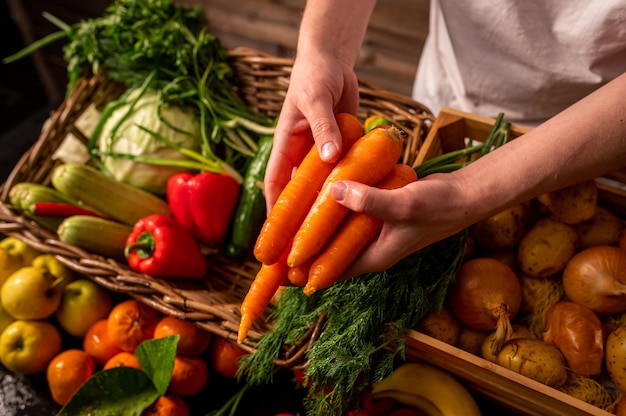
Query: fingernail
[(328, 151), (338, 191)]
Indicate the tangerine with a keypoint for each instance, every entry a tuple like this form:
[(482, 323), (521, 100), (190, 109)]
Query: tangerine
[(130, 323), (168, 405), (189, 376), (193, 339), (68, 371), (224, 357), (122, 359), (98, 344)]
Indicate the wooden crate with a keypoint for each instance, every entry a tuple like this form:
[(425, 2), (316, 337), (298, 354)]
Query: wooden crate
[(504, 387)]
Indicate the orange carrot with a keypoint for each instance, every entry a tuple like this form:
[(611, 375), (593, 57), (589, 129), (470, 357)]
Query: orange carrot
[(298, 195), (266, 283), (299, 275), (357, 232), (368, 161)]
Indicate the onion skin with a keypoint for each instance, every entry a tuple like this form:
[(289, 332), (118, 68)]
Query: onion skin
[(486, 295), (578, 333), (596, 278)]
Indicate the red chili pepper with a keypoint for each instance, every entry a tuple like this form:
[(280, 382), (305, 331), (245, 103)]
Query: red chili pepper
[(203, 203), (161, 247), (60, 209)]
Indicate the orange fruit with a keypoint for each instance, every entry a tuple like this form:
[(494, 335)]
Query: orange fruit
[(168, 405), (189, 376), (98, 344), (130, 323), (68, 371), (224, 357), (122, 359), (193, 339)]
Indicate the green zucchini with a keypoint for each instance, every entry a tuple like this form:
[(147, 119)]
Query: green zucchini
[(95, 235), (250, 210)]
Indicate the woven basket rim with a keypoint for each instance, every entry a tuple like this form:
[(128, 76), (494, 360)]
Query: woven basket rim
[(212, 303)]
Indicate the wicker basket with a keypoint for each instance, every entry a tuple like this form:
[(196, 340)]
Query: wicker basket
[(212, 303)]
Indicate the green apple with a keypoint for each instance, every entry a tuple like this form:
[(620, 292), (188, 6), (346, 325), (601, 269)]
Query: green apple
[(27, 347), (83, 302), (31, 293)]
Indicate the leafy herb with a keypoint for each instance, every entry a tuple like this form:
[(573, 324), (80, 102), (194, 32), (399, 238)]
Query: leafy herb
[(171, 45), (365, 318)]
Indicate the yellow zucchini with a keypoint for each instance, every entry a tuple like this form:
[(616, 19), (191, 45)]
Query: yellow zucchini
[(115, 199), (96, 235)]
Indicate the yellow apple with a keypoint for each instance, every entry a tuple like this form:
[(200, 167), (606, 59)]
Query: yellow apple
[(31, 293), (5, 318), (83, 302), (14, 254), (57, 269), (27, 347)]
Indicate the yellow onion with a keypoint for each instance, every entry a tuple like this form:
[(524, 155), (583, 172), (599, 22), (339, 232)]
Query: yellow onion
[(596, 278), (578, 333), (486, 295)]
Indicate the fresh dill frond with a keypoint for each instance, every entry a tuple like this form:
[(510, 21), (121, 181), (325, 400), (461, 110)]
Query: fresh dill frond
[(363, 335)]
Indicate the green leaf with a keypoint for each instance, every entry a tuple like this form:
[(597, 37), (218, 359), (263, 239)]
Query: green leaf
[(120, 391), (156, 358)]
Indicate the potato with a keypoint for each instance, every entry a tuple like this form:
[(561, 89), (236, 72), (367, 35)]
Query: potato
[(614, 357), (508, 257), (503, 230), (486, 350), (547, 247), (601, 229), (534, 359), (573, 204), (441, 325), (471, 340)]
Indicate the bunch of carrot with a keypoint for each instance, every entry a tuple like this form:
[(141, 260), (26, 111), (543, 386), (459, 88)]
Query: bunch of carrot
[(309, 239)]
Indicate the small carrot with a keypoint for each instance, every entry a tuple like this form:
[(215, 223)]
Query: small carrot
[(299, 275), (298, 195), (369, 160), (265, 285), (356, 233)]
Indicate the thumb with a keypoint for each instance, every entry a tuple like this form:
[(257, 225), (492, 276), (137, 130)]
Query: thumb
[(327, 136), (359, 197)]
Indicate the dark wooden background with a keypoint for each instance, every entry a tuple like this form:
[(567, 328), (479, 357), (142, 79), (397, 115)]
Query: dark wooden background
[(388, 58)]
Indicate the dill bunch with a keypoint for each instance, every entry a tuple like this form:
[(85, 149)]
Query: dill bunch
[(363, 334)]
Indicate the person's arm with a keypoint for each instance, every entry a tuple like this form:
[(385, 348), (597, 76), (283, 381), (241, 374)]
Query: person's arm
[(585, 141), (322, 83)]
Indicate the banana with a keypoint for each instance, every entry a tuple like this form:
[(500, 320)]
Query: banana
[(420, 403), (428, 389)]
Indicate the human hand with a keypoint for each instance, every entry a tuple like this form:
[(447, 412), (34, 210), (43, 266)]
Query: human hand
[(320, 86), (415, 216)]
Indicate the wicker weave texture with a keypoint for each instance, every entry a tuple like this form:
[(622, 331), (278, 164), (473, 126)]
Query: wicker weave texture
[(212, 303)]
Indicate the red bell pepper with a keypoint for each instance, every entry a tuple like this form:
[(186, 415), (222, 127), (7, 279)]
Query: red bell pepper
[(203, 203), (161, 247)]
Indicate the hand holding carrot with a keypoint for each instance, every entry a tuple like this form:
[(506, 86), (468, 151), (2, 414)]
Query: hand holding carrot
[(297, 197), (369, 160)]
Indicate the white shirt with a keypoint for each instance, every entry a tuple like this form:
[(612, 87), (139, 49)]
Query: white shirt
[(529, 59)]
